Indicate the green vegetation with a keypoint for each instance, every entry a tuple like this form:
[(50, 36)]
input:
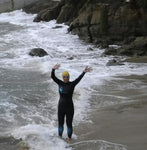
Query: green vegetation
[(145, 5), (104, 20)]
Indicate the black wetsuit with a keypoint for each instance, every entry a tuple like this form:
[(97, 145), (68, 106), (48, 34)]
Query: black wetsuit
[(65, 105)]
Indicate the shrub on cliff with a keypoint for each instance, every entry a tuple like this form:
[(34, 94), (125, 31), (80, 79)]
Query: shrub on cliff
[(145, 5), (104, 20)]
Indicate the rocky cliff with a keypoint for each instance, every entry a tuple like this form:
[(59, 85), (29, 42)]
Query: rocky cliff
[(104, 22)]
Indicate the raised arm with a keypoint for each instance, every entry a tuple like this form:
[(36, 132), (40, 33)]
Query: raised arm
[(87, 69), (53, 76)]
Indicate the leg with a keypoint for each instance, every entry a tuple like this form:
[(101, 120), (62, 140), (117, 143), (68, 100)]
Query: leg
[(61, 116), (69, 119)]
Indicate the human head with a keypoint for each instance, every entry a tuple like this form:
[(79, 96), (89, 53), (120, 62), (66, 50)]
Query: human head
[(66, 76)]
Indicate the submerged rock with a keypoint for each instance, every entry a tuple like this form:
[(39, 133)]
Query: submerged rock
[(114, 62), (57, 27), (38, 52)]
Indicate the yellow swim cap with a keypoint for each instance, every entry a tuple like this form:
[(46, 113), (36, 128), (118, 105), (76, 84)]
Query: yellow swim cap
[(65, 73)]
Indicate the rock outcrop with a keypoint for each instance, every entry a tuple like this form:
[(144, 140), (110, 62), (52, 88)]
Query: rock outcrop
[(136, 48), (104, 22), (40, 5), (38, 52)]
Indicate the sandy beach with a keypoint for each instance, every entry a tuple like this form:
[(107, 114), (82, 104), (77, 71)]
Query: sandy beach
[(124, 123)]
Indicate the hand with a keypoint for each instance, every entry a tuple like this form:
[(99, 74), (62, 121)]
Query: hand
[(87, 69), (56, 66)]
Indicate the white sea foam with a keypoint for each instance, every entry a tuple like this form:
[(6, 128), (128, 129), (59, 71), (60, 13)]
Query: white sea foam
[(41, 137), (60, 46)]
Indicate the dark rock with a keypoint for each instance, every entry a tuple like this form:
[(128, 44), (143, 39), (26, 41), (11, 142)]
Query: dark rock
[(38, 52), (66, 9), (40, 5), (46, 15), (103, 22), (56, 27), (90, 49), (129, 40), (110, 51), (114, 62), (50, 13), (121, 23), (70, 58), (137, 48)]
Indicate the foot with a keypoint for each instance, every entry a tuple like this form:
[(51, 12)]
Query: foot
[(68, 140)]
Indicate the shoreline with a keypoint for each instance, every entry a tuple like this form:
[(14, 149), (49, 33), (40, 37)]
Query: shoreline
[(124, 123)]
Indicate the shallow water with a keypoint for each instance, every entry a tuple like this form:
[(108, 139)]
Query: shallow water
[(28, 96)]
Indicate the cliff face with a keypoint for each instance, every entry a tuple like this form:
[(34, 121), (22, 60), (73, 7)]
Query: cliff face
[(104, 22)]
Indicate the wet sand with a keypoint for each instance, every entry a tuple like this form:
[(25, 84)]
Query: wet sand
[(124, 123)]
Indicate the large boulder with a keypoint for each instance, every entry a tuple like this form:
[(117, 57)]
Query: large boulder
[(66, 9), (49, 13), (38, 52)]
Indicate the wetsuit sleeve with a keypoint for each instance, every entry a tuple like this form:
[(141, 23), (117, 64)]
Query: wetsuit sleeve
[(76, 81), (54, 77)]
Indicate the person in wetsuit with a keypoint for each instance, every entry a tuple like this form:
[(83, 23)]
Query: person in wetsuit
[(65, 105)]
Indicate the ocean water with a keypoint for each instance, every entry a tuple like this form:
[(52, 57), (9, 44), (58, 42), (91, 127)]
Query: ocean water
[(29, 97)]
